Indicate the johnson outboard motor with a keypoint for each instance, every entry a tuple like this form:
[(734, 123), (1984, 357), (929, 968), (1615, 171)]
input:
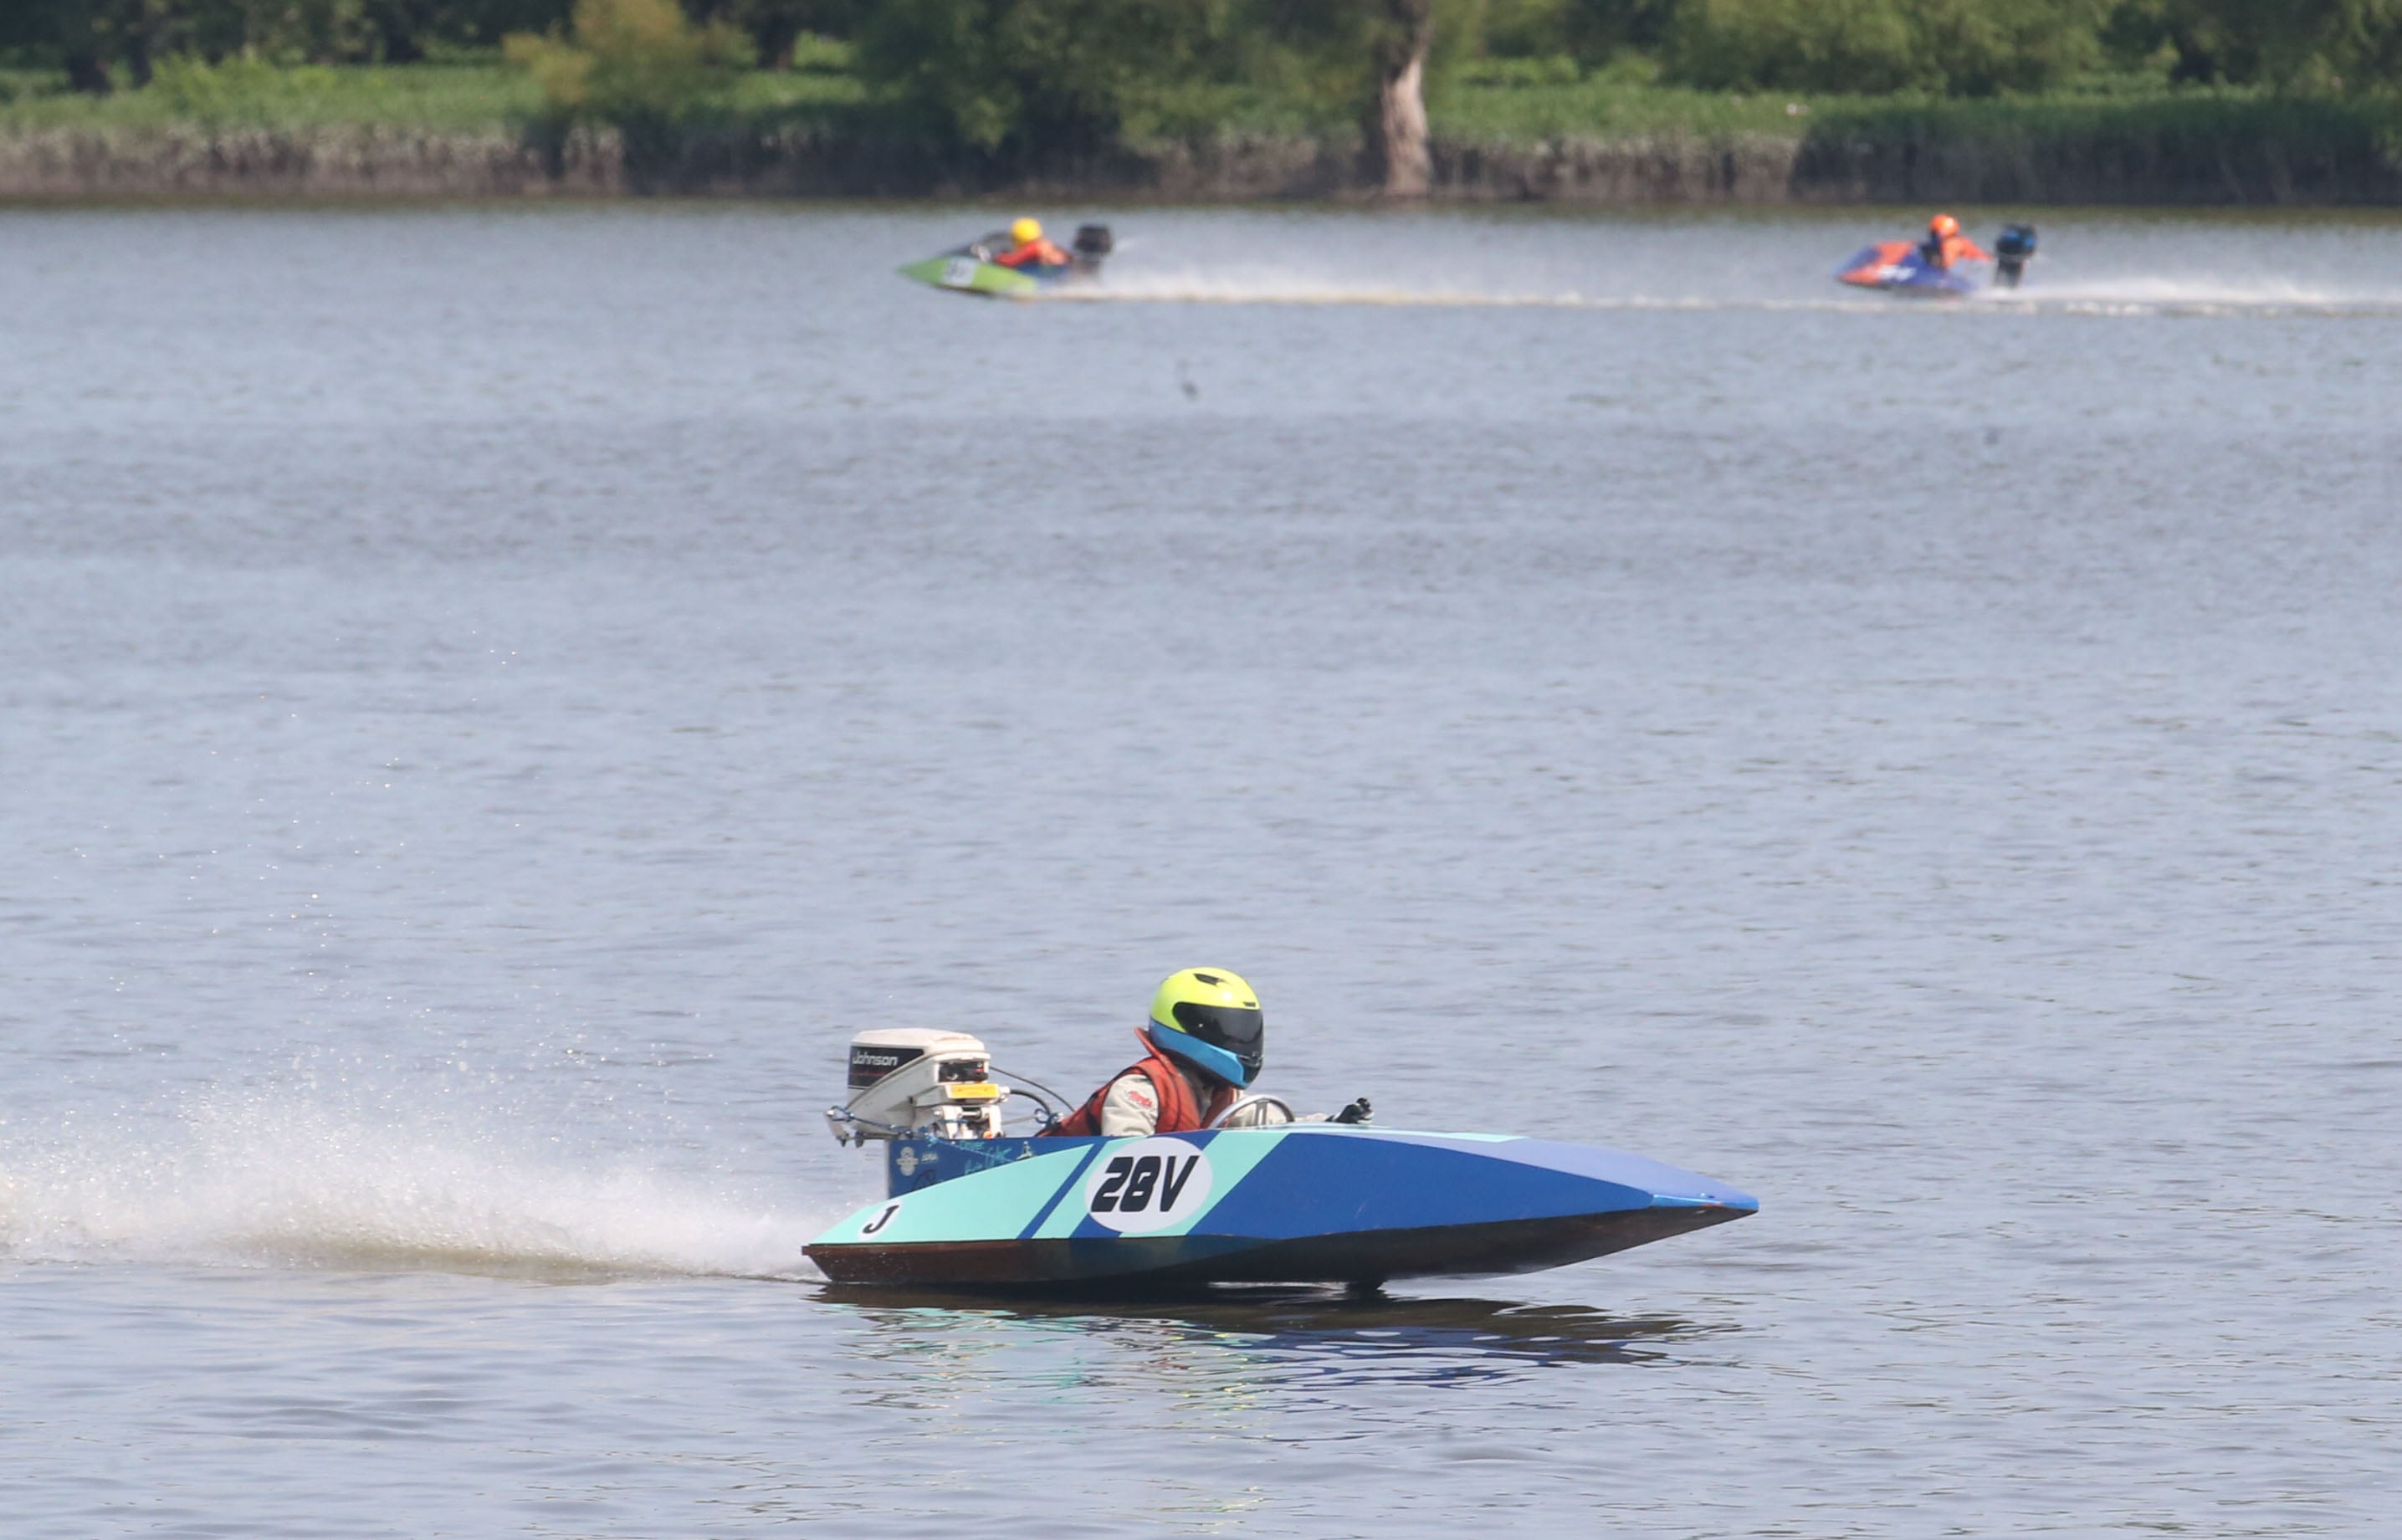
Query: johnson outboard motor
[(1091, 244), (2012, 253), (919, 1082)]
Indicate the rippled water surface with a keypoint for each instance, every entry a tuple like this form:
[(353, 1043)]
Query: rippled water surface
[(488, 701)]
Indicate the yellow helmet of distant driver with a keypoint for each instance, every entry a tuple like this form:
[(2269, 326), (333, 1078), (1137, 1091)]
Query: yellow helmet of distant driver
[(1210, 1019), (1026, 232)]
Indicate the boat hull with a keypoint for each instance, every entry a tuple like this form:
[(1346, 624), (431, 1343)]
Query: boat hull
[(1895, 266), (964, 274), (1313, 1203)]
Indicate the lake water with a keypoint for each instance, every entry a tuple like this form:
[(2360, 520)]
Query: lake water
[(490, 700)]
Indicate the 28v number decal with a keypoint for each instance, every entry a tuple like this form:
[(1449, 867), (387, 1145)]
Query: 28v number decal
[(1149, 1186), (1129, 1183)]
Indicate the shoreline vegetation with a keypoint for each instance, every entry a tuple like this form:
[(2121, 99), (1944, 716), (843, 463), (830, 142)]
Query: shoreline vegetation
[(634, 97), (477, 132)]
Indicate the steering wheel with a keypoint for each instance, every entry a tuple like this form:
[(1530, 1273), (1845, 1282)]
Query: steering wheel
[(1260, 1099)]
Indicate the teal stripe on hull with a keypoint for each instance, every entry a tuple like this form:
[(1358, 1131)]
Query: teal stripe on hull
[(1311, 1203)]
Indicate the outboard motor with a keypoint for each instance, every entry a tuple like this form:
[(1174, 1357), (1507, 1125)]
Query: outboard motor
[(917, 1081), (2012, 253), (1092, 244)]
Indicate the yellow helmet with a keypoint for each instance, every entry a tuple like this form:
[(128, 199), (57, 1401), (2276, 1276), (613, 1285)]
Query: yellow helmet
[(1210, 1019), (1026, 232)]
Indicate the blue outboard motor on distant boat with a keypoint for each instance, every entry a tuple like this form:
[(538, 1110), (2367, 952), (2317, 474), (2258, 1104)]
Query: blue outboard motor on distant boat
[(2012, 253)]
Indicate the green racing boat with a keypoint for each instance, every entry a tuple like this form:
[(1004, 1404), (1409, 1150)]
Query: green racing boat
[(974, 268)]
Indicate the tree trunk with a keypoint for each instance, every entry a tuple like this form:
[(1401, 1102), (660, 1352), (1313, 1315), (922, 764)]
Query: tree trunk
[(137, 50), (1397, 127), (85, 73), (396, 25)]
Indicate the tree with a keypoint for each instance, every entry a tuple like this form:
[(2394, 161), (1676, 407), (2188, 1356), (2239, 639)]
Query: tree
[(775, 25), (1971, 48), (1377, 56), (2346, 45), (637, 65), (1018, 82), (1402, 39), (86, 37)]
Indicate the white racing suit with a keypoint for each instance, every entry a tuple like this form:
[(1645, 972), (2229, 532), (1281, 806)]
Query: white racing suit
[(1131, 1109)]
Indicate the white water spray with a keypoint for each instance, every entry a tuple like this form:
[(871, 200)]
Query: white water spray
[(2196, 295), (2052, 288), (278, 1181)]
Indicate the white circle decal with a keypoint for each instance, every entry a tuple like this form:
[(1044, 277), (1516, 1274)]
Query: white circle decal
[(1149, 1185)]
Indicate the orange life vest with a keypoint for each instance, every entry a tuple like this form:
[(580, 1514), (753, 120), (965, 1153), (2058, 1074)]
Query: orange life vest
[(1951, 249), (1040, 254), (1177, 1112)]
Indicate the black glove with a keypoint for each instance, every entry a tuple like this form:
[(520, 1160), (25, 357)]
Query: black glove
[(1357, 1112)]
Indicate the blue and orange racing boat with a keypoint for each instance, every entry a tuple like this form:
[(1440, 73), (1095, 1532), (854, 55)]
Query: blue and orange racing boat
[(1296, 1203), (1901, 267)]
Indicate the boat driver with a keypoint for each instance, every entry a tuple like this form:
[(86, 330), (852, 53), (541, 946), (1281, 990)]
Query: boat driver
[(1204, 1045), (1944, 244), (1031, 250)]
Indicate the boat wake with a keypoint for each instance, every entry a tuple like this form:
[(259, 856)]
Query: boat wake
[(279, 1183), (2182, 296), (2045, 294), (1282, 289)]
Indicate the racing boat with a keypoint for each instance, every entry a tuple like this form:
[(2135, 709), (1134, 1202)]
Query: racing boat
[(1901, 267), (967, 1205), (975, 267)]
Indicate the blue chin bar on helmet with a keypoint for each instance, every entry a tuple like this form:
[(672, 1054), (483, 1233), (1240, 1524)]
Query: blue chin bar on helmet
[(1207, 1058)]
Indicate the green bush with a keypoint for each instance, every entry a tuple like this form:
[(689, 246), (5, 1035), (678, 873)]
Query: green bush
[(1967, 48), (317, 31), (1522, 29), (1508, 74), (1599, 30), (780, 30), (823, 55), (245, 90), (637, 65)]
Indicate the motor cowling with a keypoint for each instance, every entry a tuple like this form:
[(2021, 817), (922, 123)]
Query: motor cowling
[(1092, 244), (917, 1081), (2012, 251)]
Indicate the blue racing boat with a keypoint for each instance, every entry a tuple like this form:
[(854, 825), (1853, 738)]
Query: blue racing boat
[(1297, 1202), (1903, 267)]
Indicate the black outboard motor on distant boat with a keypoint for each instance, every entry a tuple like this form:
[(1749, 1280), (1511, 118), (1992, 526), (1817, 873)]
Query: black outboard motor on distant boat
[(1091, 244), (2012, 253)]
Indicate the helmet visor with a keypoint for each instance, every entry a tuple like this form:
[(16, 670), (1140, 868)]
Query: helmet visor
[(1225, 1027), (1237, 1031)]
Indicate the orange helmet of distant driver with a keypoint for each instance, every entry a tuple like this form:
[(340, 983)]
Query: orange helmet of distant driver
[(1944, 225)]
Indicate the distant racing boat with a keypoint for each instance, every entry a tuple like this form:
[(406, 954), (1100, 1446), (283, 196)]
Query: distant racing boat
[(1901, 267), (975, 268)]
